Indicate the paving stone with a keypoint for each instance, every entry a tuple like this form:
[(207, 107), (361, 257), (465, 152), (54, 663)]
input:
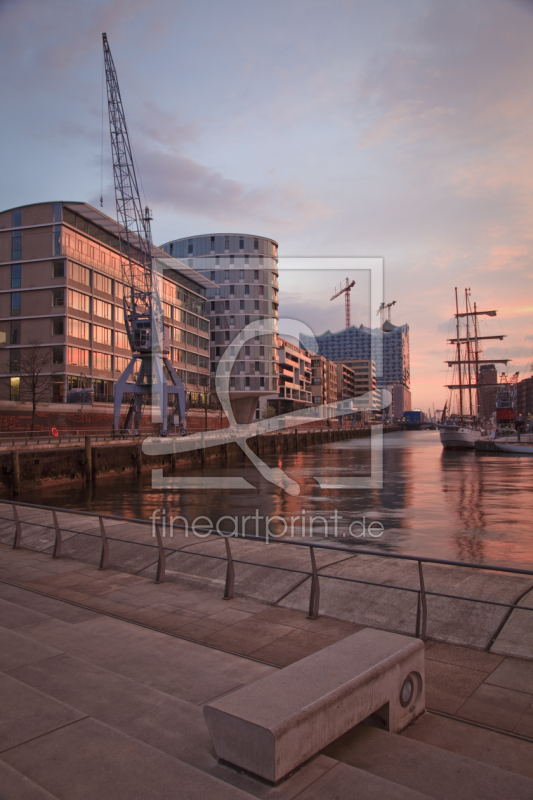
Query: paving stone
[(283, 616), (17, 650), (27, 713), (228, 616), (344, 782), (463, 657), (290, 648), (448, 686), (514, 673), (495, 706), (13, 616), (46, 605), (89, 760), (14, 786), (490, 747), (247, 636), (430, 770), (525, 725)]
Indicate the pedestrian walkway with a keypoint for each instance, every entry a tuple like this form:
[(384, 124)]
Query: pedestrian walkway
[(97, 708)]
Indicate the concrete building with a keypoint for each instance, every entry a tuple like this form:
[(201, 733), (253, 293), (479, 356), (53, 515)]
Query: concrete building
[(345, 381), (295, 379), (61, 295), (245, 270), (324, 380), (487, 391), (364, 372), (524, 399)]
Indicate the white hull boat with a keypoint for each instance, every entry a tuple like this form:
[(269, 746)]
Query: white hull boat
[(453, 436), (518, 448)]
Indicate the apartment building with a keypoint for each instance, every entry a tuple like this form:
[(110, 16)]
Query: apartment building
[(244, 269), (345, 381), (295, 378), (364, 375), (324, 380), (61, 295)]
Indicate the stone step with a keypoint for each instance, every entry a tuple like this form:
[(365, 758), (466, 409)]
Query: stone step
[(425, 768)]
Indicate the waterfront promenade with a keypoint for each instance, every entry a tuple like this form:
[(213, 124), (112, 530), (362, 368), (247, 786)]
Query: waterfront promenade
[(104, 674)]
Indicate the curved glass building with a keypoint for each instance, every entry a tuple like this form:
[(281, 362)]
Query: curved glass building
[(245, 269)]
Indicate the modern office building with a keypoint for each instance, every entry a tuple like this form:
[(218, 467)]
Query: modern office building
[(61, 295), (524, 399), (245, 269), (364, 375), (392, 360), (345, 381)]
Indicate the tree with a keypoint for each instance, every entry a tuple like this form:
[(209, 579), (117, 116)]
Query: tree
[(35, 375), (268, 412)]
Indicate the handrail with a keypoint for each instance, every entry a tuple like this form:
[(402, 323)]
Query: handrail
[(314, 600)]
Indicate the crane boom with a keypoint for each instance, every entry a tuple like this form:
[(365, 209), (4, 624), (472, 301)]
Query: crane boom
[(346, 289), (143, 315)]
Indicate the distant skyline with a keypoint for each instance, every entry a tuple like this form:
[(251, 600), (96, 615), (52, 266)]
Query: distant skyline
[(336, 128)]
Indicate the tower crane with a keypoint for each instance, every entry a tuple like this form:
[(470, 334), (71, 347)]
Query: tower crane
[(143, 314), (381, 310), (346, 289)]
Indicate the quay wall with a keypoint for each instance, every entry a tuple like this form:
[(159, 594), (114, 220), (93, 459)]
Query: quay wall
[(30, 466)]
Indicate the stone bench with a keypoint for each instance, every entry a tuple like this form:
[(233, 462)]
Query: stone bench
[(274, 725)]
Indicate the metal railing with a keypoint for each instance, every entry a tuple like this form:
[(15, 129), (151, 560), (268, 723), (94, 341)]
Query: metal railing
[(229, 586)]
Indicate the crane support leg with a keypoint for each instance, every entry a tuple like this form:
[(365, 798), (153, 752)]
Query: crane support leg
[(120, 388)]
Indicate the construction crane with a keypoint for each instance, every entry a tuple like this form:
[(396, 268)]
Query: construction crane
[(143, 314), (381, 311), (346, 291)]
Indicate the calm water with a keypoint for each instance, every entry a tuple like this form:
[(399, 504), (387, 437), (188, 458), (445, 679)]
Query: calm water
[(459, 505)]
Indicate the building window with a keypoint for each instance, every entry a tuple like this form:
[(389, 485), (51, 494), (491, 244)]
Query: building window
[(192, 320), (247, 290), (212, 244), (232, 320), (102, 335), (14, 360), (192, 358), (16, 218), (212, 307), (56, 240), (16, 245), (217, 322), (247, 319), (14, 332), (247, 350), (226, 336), (213, 276), (241, 274), (247, 383), (262, 383), (212, 336), (241, 305), (77, 300), (103, 283), (231, 261), (15, 276), (103, 361), (261, 351), (213, 366), (256, 305), (203, 344), (232, 290), (58, 326), (14, 388), (241, 244), (57, 354), (189, 247), (226, 275), (102, 309), (226, 243), (217, 261), (58, 269), (226, 305), (217, 352), (256, 244), (119, 314), (57, 212), (78, 357), (79, 329), (192, 340), (246, 260), (15, 304)]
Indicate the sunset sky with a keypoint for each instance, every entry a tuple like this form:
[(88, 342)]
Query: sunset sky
[(337, 127)]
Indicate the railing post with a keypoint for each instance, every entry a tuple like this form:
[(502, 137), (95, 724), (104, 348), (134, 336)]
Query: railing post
[(314, 598), (58, 542), (230, 573), (18, 530), (161, 561), (104, 558), (422, 610)]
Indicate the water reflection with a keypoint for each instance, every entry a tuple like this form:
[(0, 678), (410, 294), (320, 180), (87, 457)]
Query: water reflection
[(459, 505)]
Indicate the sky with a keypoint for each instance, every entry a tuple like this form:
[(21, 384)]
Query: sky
[(335, 127)]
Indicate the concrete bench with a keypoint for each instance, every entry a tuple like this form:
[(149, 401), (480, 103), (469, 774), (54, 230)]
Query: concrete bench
[(274, 725)]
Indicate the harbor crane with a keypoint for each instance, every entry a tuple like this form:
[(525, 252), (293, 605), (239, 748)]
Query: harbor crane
[(381, 311), (345, 289), (143, 315)]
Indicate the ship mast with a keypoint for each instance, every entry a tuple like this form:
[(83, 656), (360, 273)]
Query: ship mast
[(468, 351), (459, 354)]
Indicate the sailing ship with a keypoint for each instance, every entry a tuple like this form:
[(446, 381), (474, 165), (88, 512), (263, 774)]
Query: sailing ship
[(463, 427)]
